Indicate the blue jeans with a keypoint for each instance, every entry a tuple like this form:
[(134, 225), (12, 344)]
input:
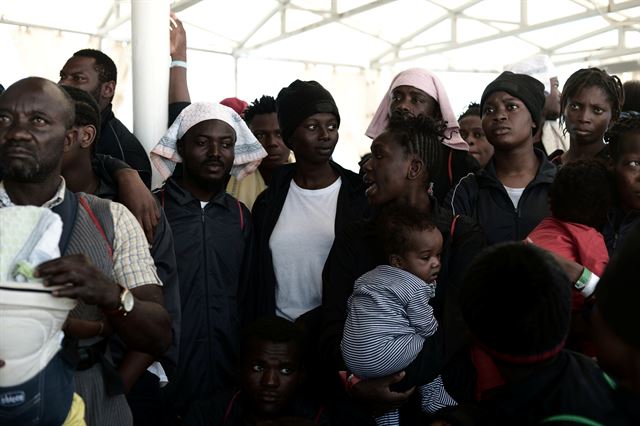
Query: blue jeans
[(42, 400)]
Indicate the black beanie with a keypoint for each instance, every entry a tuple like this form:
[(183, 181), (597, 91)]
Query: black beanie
[(300, 100), (516, 301), (618, 291), (526, 88)]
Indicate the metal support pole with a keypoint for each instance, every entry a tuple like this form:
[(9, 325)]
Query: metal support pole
[(150, 58)]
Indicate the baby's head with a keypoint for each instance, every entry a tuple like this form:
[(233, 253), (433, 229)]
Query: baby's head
[(411, 241)]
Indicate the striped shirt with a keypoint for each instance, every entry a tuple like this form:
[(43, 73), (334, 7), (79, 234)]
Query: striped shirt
[(389, 318)]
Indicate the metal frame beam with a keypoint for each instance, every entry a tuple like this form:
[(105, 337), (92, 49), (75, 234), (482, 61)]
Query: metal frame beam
[(331, 19), (398, 46), (516, 32)]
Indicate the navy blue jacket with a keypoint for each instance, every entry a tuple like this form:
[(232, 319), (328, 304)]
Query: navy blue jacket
[(213, 249)]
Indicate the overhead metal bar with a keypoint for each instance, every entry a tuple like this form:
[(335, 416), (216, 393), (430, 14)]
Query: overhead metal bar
[(260, 24), (523, 29), (181, 5), (45, 27), (396, 47), (581, 37), (613, 53), (323, 22)]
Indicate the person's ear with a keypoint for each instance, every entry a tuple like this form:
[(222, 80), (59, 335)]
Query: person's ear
[(396, 261), (416, 167), (108, 89), (87, 135)]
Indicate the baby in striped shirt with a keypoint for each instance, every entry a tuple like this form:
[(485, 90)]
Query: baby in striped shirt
[(389, 316)]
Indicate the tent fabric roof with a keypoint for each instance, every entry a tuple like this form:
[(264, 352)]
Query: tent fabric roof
[(374, 34)]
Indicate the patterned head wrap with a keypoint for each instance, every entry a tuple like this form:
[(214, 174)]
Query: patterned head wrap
[(248, 151)]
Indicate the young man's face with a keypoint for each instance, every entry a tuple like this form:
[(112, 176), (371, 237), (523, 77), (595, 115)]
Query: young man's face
[(627, 170), (207, 151), (266, 129), (271, 375), (80, 72)]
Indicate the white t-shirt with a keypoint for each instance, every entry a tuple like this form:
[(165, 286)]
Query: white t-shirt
[(300, 244), (514, 194)]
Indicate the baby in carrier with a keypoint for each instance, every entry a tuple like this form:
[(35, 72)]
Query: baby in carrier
[(36, 382)]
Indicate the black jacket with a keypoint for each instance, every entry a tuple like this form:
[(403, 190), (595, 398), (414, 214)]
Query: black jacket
[(352, 205), (618, 227), (117, 141), (358, 249), (570, 390), (483, 197), (213, 249)]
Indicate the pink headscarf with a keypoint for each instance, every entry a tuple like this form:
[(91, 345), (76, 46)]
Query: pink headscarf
[(431, 85)]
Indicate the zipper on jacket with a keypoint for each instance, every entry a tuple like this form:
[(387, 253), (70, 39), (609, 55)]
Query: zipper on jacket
[(206, 287)]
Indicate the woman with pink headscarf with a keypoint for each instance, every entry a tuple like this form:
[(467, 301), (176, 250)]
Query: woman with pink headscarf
[(418, 92)]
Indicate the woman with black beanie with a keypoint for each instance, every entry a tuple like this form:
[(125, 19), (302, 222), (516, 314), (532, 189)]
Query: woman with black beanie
[(508, 197), (308, 202)]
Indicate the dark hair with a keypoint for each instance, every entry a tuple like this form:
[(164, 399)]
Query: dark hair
[(421, 136), (274, 329), (87, 110), (265, 105), (588, 77), (516, 300), (581, 193), (396, 223), (628, 122), (472, 109), (104, 65), (631, 95)]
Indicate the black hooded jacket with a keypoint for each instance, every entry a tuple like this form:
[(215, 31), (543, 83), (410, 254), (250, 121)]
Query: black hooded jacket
[(483, 197)]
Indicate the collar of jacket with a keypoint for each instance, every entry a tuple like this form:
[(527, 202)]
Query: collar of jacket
[(546, 172), (106, 115), (184, 197)]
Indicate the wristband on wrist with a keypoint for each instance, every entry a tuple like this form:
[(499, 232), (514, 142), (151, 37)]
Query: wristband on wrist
[(587, 283), (181, 64)]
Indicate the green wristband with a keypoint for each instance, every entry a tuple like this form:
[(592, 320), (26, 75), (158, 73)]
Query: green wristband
[(583, 280)]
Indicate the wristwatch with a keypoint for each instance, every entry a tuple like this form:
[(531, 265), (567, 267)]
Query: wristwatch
[(125, 304)]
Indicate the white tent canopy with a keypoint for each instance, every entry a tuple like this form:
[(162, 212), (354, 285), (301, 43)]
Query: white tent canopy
[(248, 48)]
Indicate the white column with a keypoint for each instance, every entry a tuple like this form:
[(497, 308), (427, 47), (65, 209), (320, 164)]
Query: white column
[(150, 58)]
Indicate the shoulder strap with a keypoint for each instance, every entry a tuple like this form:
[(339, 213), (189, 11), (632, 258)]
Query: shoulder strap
[(453, 225), (96, 222), (241, 215), (68, 211), (229, 408), (318, 417), (450, 167)]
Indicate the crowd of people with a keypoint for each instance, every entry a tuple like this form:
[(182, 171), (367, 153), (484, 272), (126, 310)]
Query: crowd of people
[(479, 270)]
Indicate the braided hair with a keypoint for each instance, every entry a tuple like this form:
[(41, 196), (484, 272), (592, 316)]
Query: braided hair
[(628, 122), (264, 105), (420, 136), (472, 109), (589, 77)]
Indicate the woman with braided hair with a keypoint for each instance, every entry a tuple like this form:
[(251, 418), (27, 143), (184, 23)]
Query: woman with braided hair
[(591, 101), (404, 157)]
